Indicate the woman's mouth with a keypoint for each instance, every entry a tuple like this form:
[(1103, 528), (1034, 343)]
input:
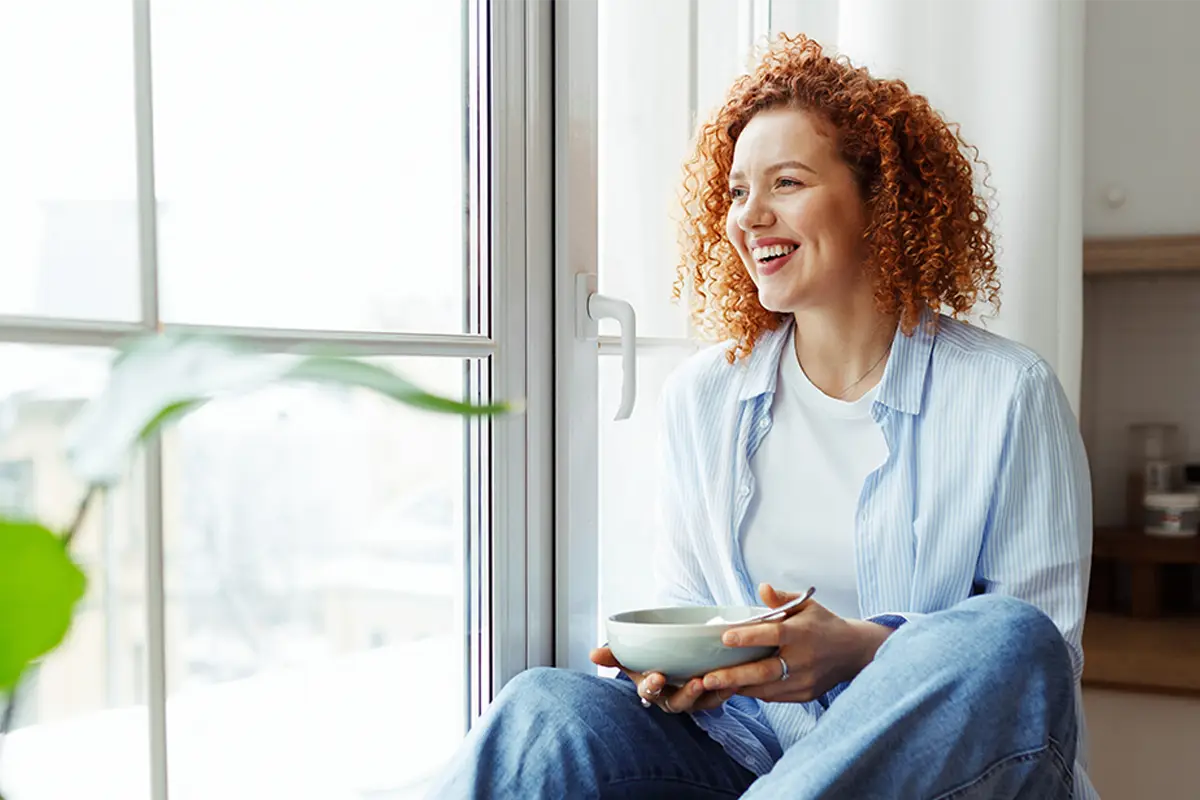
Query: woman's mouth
[(772, 258)]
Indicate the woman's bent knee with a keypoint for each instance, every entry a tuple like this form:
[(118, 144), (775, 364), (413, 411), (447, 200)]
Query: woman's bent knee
[(553, 692), (1019, 633), (1010, 617)]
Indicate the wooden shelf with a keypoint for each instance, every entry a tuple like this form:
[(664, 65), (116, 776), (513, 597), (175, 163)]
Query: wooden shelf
[(1144, 652), (1143, 559), (1142, 655), (1141, 255), (1135, 547)]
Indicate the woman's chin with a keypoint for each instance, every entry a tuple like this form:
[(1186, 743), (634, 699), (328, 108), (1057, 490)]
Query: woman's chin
[(776, 302)]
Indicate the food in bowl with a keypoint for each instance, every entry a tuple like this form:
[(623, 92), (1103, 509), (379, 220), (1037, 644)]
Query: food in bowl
[(682, 642)]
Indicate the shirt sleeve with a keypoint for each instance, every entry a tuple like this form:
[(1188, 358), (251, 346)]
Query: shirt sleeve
[(1038, 541), (894, 619), (678, 578)]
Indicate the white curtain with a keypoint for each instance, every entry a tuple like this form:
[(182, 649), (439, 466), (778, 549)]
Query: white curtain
[(1011, 73)]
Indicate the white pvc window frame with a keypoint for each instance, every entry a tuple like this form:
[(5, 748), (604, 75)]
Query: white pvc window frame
[(508, 343)]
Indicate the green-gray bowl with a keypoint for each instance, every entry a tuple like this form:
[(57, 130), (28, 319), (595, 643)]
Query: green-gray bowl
[(677, 642)]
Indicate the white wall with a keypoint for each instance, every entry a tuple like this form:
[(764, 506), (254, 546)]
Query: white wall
[(1142, 117)]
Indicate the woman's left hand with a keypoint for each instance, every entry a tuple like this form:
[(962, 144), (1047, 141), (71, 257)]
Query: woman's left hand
[(821, 650)]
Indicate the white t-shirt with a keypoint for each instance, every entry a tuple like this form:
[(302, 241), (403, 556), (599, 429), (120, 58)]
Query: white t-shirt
[(809, 472)]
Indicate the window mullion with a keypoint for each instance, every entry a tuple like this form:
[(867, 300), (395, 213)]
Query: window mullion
[(83, 333), (575, 359), (148, 272), (507, 262), (539, 331)]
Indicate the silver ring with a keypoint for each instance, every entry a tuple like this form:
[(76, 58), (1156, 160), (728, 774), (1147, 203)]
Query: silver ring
[(667, 707), (784, 675)]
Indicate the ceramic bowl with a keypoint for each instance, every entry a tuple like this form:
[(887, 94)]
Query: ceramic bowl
[(678, 642)]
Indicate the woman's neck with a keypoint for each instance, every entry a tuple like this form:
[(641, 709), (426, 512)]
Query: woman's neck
[(844, 350)]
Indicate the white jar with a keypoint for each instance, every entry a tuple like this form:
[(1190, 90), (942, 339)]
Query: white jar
[(1172, 514)]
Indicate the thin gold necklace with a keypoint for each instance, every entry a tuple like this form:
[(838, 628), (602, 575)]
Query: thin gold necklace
[(842, 393)]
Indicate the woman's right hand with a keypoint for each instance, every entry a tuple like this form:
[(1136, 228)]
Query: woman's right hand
[(653, 688)]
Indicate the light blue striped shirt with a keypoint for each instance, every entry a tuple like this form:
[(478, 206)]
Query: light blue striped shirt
[(985, 488)]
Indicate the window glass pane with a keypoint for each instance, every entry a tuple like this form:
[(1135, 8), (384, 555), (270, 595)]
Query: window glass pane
[(84, 705), (68, 216), (310, 163), (315, 575)]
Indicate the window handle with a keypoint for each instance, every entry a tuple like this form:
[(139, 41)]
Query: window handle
[(593, 307)]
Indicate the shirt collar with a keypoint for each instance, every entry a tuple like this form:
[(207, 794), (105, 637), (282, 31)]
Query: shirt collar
[(901, 388)]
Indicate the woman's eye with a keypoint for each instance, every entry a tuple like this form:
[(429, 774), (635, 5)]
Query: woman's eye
[(737, 193), (790, 182)]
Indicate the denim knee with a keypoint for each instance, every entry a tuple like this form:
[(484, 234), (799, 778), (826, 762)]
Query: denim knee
[(539, 686), (529, 681), (549, 693), (1024, 636), (536, 739)]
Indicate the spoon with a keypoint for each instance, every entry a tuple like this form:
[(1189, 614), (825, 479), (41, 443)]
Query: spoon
[(779, 613)]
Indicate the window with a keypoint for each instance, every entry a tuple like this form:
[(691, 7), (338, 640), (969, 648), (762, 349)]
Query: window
[(299, 592), (90, 685), (312, 155), (68, 181)]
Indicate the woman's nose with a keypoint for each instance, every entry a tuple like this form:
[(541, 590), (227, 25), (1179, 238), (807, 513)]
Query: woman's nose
[(756, 213)]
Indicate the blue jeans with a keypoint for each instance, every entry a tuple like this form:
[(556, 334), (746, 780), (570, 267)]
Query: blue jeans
[(930, 717)]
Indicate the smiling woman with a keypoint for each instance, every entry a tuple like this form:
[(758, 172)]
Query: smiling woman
[(892, 181), (927, 476)]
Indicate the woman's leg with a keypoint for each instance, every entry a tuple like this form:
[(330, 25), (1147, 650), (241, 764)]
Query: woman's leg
[(553, 733), (973, 702)]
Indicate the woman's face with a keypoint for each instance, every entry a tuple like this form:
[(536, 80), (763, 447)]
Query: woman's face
[(796, 217)]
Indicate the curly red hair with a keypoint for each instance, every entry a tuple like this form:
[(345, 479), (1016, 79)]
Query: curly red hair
[(927, 236)]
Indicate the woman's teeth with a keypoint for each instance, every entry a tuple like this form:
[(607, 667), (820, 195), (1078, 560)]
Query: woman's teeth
[(772, 251)]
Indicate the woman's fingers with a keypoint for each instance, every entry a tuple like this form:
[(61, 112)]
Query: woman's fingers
[(768, 634), (774, 597), (768, 670), (651, 685), (692, 696), (683, 699), (652, 688), (603, 657), (711, 700)]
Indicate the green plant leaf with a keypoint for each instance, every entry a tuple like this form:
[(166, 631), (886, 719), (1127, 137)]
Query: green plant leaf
[(160, 378), (176, 410), (39, 587), (154, 379), (348, 372)]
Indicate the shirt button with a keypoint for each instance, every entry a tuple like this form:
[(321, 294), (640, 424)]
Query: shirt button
[(744, 492), (764, 423)]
